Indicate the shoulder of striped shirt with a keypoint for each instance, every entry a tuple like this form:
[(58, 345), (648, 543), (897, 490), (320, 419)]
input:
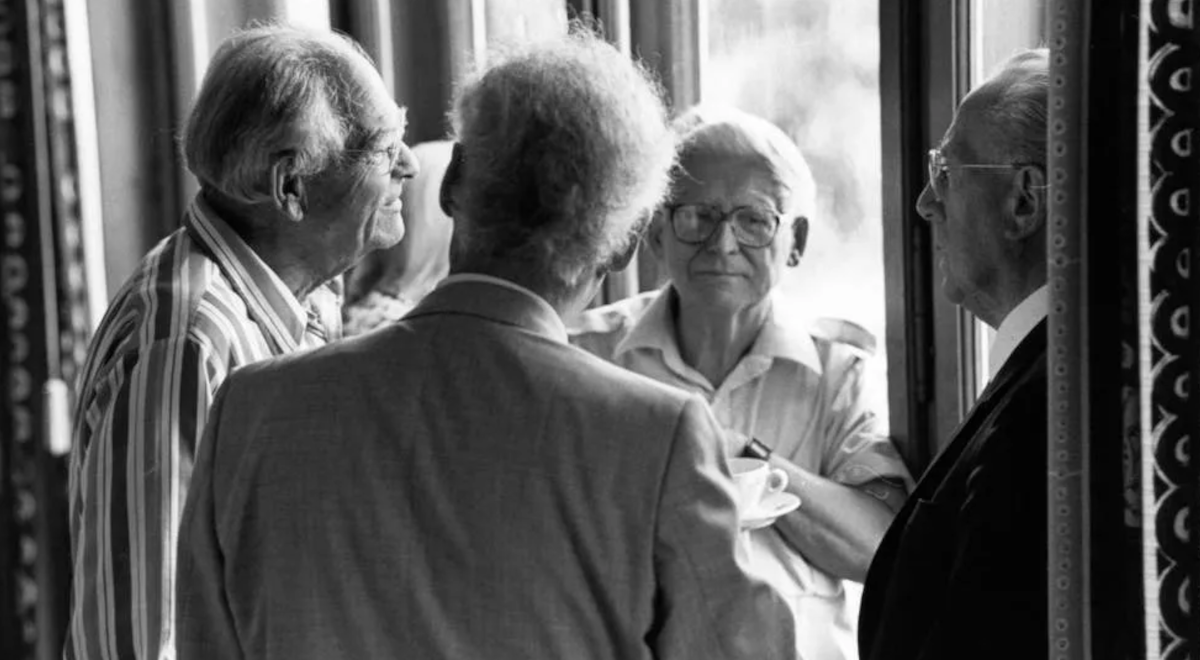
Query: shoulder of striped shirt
[(211, 314)]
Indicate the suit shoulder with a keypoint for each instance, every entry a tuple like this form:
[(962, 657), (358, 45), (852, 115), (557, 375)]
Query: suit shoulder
[(599, 377), (847, 333)]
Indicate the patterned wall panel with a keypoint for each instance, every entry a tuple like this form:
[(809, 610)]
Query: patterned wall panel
[(1067, 478), (1171, 351), (21, 331), (44, 325)]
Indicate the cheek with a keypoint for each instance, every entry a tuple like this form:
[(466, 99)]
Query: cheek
[(677, 260)]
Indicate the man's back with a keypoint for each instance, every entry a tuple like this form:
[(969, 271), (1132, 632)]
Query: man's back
[(464, 485)]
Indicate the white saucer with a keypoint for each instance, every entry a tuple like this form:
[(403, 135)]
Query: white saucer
[(770, 508)]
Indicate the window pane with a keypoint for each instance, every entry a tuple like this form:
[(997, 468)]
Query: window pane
[(519, 20), (812, 68)]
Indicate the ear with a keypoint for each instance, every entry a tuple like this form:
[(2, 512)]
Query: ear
[(799, 240), (621, 261), (287, 190), (654, 232), (1028, 205), (450, 180)]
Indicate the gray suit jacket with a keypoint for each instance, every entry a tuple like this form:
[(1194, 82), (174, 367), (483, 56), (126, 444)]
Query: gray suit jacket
[(463, 484)]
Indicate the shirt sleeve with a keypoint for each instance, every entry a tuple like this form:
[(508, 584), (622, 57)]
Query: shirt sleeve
[(205, 619), (707, 605), (147, 415), (857, 450)]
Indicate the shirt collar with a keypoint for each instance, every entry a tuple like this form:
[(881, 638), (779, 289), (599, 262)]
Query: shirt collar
[(267, 298), (1016, 326), (557, 327), (784, 335)]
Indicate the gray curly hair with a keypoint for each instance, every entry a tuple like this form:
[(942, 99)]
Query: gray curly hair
[(271, 93), (566, 151)]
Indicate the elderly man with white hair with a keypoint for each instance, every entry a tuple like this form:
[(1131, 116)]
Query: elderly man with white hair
[(962, 572), (297, 147), (786, 388), (464, 483)]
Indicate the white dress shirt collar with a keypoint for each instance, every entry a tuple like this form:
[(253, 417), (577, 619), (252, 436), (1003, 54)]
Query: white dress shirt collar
[(1016, 326)]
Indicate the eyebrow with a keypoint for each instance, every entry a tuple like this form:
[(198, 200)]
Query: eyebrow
[(377, 137)]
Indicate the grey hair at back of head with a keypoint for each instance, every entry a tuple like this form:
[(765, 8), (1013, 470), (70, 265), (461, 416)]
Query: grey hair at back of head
[(271, 93), (712, 132), (1016, 100), (566, 150)]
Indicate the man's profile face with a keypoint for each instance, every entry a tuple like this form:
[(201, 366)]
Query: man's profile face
[(965, 211), (356, 204)]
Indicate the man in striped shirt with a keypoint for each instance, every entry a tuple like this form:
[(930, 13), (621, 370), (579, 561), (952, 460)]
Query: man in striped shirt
[(298, 149)]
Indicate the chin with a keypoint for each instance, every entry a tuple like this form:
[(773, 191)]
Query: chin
[(386, 233)]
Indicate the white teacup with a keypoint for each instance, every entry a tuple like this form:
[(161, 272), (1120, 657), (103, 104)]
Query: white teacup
[(755, 481)]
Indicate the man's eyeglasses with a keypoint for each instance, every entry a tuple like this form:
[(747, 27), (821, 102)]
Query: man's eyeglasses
[(695, 224), (939, 170), (382, 160)]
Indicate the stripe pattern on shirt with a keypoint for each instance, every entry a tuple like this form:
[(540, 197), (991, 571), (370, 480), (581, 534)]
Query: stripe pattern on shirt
[(200, 304)]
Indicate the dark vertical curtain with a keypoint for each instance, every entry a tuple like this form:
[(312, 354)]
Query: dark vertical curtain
[(44, 329), (1170, 304)]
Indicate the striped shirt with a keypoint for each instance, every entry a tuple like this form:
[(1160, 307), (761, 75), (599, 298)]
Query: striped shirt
[(200, 304)]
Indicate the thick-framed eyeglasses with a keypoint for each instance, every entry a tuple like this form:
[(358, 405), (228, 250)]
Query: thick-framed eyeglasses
[(695, 224), (939, 170)]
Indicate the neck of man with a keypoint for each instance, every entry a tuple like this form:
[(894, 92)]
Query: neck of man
[(278, 242), (1014, 289), (290, 262), (713, 341), (567, 304)]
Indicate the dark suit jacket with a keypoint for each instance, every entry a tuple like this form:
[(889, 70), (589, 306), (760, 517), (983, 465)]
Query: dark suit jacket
[(464, 484), (961, 573)]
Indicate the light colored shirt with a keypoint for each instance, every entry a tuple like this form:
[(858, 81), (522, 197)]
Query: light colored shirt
[(1016, 326), (200, 304), (800, 390), (375, 309)]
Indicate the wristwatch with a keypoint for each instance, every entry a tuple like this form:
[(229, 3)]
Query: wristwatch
[(756, 449)]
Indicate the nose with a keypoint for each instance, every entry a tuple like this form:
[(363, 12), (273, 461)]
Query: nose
[(927, 203), (407, 165), (723, 240)]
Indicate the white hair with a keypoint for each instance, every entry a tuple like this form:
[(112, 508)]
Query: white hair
[(566, 151), (713, 132), (1014, 104), (272, 94)]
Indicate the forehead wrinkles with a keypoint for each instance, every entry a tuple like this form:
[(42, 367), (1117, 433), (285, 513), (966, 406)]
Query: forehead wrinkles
[(718, 178)]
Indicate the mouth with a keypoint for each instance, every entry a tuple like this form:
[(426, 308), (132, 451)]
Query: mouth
[(716, 273)]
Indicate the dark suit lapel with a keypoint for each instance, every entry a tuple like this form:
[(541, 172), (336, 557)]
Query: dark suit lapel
[(1024, 356), (492, 302)]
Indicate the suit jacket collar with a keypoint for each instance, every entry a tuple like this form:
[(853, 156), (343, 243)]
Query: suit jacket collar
[(501, 302)]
